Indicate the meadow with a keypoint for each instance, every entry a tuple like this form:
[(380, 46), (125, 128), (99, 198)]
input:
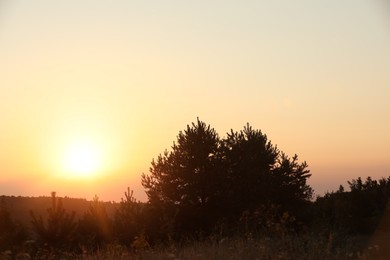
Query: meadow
[(291, 247), (314, 241)]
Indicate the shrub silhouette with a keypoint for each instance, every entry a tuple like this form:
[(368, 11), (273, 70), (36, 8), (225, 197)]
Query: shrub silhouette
[(357, 211), (129, 219), (95, 228), (267, 220), (59, 229)]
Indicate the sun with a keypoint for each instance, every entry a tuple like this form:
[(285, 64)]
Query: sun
[(82, 159)]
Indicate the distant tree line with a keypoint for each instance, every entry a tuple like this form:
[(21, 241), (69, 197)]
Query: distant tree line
[(207, 185)]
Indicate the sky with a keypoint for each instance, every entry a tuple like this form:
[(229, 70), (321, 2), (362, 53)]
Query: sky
[(114, 82)]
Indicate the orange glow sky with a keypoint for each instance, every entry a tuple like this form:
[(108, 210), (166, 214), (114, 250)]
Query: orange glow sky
[(124, 77)]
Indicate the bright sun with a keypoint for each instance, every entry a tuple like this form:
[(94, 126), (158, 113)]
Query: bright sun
[(82, 160)]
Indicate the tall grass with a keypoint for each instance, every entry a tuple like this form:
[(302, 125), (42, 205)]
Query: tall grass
[(308, 246)]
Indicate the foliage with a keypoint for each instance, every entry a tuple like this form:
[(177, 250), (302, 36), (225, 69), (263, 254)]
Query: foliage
[(341, 227), (182, 176), (357, 211), (267, 220), (60, 227), (95, 228), (258, 173), (129, 220), (205, 178), (182, 183)]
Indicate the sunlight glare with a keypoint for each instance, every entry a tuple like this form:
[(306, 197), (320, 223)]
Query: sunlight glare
[(82, 160)]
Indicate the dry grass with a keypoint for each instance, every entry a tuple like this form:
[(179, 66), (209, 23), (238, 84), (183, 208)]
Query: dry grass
[(287, 247)]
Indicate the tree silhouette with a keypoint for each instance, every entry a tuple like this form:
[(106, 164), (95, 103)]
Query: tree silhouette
[(357, 211), (259, 174), (249, 158), (181, 176), (205, 179), (129, 219), (95, 227), (291, 178), (184, 181), (60, 226)]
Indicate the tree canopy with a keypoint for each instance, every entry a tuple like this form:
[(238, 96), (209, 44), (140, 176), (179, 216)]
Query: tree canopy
[(205, 178)]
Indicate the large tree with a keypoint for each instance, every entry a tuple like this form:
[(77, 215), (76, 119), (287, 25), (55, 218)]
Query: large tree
[(257, 173), (184, 181), (205, 177), (249, 159), (183, 176)]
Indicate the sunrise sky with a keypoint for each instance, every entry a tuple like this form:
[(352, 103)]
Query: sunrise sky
[(111, 83)]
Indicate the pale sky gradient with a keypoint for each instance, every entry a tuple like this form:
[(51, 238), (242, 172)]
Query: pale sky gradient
[(127, 76)]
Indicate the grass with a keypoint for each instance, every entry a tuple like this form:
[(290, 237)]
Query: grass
[(311, 246)]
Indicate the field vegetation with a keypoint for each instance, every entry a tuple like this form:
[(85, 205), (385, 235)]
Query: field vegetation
[(237, 197)]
